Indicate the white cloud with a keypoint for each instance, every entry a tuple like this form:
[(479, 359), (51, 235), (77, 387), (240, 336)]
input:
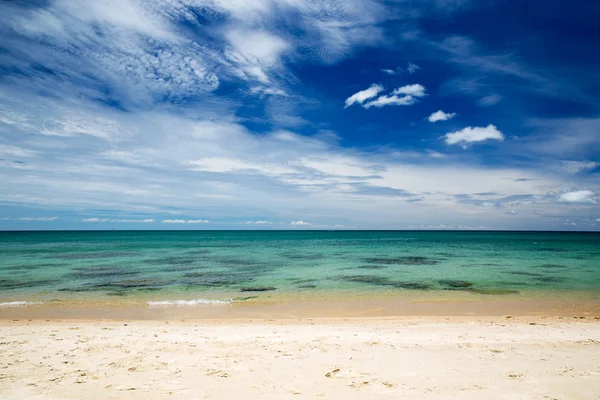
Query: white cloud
[(363, 95), (183, 221), (297, 223), (414, 90), (388, 71), (474, 135), (409, 95), (440, 116), (258, 222), (119, 221), (129, 221), (579, 196), (36, 218)]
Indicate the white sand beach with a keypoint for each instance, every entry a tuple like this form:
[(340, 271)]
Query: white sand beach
[(356, 358)]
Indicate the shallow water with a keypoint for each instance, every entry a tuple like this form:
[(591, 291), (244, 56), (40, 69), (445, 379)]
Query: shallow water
[(161, 266)]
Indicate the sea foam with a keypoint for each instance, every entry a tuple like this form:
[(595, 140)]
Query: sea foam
[(189, 302), (19, 303)]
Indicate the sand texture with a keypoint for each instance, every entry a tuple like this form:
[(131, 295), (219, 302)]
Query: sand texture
[(406, 358)]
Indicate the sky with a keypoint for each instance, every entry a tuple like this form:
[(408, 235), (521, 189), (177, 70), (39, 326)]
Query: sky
[(299, 114)]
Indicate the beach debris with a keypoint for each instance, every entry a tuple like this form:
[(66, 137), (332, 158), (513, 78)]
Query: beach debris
[(258, 289), (332, 373)]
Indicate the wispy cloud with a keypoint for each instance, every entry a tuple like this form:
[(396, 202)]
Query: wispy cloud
[(411, 68), (45, 219), (183, 221), (120, 221), (363, 95), (300, 223)]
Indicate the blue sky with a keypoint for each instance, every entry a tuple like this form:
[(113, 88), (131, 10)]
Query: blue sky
[(299, 114)]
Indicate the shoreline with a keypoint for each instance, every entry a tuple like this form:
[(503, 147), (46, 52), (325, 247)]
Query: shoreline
[(382, 307)]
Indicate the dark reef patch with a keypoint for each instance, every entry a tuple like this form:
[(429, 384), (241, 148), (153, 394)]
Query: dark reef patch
[(216, 279), (382, 281), (12, 284), (551, 266), (301, 280), (307, 286), (171, 261), (551, 249), (301, 256), (371, 266), (455, 284), (493, 291), (182, 268), (549, 279), (409, 260), (31, 267), (481, 265), (524, 273), (258, 289), (94, 255), (95, 272)]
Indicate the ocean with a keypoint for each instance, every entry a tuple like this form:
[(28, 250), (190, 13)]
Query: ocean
[(220, 267)]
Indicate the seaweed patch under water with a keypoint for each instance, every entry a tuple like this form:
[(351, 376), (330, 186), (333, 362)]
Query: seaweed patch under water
[(216, 279), (549, 279), (371, 266), (525, 273), (409, 260), (551, 266), (171, 261), (382, 281), (258, 289), (309, 286), (302, 256), (455, 284), (11, 284), (493, 291), (93, 255)]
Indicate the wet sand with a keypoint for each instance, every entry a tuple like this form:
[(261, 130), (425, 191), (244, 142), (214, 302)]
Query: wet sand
[(336, 358), (286, 307)]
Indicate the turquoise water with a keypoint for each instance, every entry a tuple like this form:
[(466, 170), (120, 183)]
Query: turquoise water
[(161, 265)]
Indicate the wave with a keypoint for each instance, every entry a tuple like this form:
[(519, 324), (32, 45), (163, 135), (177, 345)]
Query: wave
[(19, 303), (189, 302)]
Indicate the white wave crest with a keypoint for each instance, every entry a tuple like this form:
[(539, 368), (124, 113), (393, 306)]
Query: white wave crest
[(189, 302), (19, 303)]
